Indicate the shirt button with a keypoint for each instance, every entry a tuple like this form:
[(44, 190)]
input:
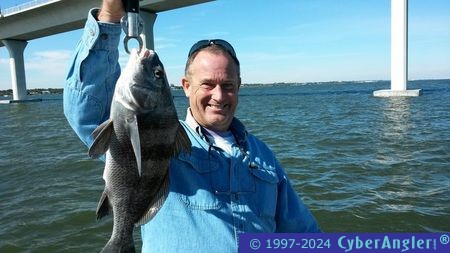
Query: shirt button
[(104, 36), (253, 165)]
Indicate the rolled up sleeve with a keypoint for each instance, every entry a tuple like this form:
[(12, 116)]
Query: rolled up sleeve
[(91, 77)]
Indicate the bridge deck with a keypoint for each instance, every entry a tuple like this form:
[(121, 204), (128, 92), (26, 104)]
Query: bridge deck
[(42, 18)]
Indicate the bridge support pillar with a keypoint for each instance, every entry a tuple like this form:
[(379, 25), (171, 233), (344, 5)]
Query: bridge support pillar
[(399, 53), (16, 48), (149, 21)]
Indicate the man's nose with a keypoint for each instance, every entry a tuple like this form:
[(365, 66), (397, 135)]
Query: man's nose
[(217, 93)]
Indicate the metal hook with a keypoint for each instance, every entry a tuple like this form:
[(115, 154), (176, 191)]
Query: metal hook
[(139, 40), (132, 25)]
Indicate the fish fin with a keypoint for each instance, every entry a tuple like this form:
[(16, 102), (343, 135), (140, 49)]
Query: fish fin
[(182, 142), (156, 203), (133, 131), (103, 207), (102, 136)]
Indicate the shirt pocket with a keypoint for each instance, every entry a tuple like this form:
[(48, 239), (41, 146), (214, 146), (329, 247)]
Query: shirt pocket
[(266, 192), (192, 179)]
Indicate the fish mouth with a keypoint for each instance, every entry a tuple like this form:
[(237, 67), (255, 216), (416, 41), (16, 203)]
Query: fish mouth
[(146, 53)]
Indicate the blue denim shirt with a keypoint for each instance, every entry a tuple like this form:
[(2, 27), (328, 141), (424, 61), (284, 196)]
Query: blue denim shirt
[(213, 196)]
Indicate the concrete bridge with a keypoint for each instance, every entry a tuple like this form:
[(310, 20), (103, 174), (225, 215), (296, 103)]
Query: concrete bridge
[(40, 18)]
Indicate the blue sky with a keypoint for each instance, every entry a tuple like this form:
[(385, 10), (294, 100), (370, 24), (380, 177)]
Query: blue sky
[(276, 41)]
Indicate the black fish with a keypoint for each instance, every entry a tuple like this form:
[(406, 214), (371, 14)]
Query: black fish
[(141, 137)]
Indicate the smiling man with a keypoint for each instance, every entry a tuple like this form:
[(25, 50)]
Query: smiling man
[(212, 84), (230, 183)]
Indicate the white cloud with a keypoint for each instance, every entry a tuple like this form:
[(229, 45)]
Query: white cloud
[(5, 76), (48, 61), (176, 28), (163, 43), (43, 69), (214, 35), (4, 61), (161, 46), (47, 69), (54, 55)]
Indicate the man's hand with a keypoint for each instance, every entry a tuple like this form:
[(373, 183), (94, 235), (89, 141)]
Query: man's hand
[(112, 11)]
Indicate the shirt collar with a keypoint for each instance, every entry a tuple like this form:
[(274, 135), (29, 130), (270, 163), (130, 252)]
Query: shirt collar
[(236, 128), (192, 123)]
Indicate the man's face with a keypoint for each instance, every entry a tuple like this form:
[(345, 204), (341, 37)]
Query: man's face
[(212, 87)]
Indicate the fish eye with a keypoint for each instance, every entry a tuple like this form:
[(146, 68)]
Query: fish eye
[(159, 72)]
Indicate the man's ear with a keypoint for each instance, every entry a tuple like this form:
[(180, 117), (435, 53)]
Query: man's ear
[(186, 85)]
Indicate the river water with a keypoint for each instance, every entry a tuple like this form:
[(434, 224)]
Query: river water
[(361, 164)]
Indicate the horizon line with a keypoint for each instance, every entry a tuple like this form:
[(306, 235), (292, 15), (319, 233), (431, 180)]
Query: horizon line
[(272, 83)]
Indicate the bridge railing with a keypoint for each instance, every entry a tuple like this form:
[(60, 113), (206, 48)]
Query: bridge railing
[(22, 7)]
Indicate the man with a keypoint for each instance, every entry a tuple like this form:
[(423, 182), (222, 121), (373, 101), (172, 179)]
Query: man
[(230, 183)]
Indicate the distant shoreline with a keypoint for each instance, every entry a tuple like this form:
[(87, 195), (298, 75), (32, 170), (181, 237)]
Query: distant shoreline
[(41, 91), (31, 92)]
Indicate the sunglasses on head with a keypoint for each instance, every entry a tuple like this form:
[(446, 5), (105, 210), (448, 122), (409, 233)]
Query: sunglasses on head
[(221, 43)]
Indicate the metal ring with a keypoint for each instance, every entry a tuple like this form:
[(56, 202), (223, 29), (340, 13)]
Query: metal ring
[(125, 42)]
